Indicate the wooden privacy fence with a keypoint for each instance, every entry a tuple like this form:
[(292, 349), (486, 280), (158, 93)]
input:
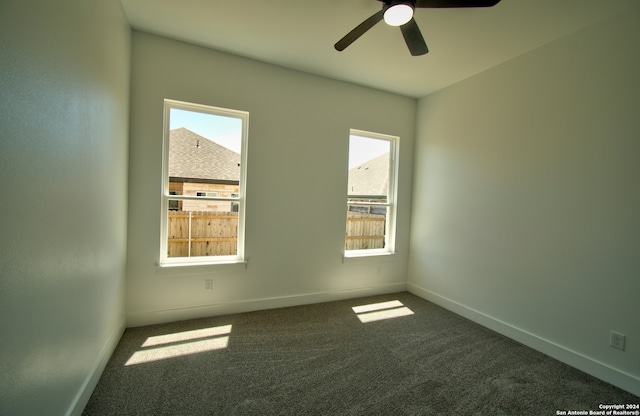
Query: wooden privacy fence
[(202, 233), (365, 231), (216, 233)]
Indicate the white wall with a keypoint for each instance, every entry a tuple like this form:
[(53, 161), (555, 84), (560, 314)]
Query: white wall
[(526, 212), (296, 187), (63, 171)]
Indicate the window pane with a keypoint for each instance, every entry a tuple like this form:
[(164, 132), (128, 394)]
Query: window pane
[(366, 227), (368, 169), (204, 154), (193, 234)]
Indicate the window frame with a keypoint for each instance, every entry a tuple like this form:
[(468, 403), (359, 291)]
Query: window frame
[(391, 204), (240, 200)]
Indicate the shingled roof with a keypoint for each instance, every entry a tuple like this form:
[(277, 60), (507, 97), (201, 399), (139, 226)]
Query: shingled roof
[(371, 177), (209, 162)]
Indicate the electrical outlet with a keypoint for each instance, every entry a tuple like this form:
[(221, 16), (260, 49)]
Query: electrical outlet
[(208, 284), (617, 340)]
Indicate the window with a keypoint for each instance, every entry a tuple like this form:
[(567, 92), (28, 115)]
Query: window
[(234, 205), (371, 194), (203, 185), (173, 204)]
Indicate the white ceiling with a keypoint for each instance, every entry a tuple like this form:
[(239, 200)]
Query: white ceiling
[(300, 34)]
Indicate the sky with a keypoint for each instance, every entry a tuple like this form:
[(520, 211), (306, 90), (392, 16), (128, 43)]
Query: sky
[(363, 149), (227, 131)]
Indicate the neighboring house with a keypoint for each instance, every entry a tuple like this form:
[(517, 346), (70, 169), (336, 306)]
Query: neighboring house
[(201, 167), (369, 181)]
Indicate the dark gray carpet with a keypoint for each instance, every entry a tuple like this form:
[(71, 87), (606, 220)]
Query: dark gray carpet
[(321, 360)]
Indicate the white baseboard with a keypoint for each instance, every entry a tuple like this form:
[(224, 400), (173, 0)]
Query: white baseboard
[(589, 365), (90, 382), (173, 315)]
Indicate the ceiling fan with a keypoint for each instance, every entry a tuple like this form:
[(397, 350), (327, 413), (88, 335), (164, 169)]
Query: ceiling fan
[(400, 13)]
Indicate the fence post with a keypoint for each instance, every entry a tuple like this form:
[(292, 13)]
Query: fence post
[(189, 240)]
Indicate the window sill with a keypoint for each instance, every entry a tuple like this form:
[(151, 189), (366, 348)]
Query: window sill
[(169, 269), (366, 256)]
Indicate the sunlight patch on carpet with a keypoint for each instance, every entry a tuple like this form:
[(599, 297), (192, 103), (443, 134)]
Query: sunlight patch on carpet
[(187, 335), (180, 344), (377, 306), (381, 311)]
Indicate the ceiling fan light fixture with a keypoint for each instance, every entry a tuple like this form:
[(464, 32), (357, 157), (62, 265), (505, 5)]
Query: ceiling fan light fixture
[(398, 14)]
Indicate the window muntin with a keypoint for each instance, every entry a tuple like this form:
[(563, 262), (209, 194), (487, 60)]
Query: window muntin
[(371, 194), (204, 182)]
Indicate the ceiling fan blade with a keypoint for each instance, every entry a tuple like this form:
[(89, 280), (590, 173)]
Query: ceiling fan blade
[(455, 3), (359, 30), (413, 38)]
